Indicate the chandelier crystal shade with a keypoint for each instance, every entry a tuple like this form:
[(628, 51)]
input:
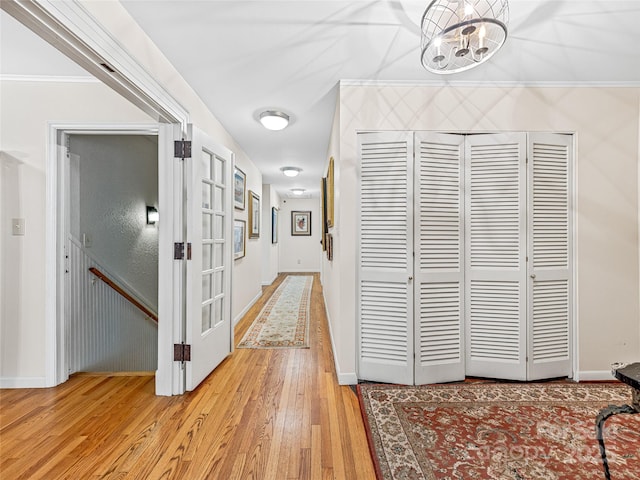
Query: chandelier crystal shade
[(460, 34)]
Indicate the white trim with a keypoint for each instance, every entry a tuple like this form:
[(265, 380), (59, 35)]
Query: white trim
[(246, 309), (575, 332), (301, 270), (486, 83), (269, 282), (347, 378), (593, 375), (23, 382), (47, 78)]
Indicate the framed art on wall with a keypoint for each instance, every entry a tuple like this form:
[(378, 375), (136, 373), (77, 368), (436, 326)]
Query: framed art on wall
[(274, 225), (330, 197), (301, 223), (239, 227), (254, 215), (239, 186)]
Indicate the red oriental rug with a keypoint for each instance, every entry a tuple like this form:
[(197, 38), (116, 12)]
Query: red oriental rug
[(498, 431)]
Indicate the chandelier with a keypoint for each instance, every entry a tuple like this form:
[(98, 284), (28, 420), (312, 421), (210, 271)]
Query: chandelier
[(460, 34)]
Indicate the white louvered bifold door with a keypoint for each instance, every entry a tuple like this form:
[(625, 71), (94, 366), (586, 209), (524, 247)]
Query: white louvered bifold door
[(495, 248), (439, 253), (385, 296), (549, 228)]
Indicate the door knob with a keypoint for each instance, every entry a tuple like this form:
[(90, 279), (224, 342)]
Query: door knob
[(410, 278), (533, 275)]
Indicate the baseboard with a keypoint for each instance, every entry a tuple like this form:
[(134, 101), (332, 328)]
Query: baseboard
[(349, 378), (246, 309), (593, 375), (23, 382), (269, 282), (301, 270)]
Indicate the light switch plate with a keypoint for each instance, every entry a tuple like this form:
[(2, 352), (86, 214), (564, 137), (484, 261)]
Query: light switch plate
[(17, 226)]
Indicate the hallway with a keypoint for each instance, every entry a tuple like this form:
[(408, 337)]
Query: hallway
[(263, 414)]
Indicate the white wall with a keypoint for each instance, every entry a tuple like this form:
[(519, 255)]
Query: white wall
[(300, 253), (247, 274), (342, 344), (605, 123), (270, 256), (27, 108), (118, 178)]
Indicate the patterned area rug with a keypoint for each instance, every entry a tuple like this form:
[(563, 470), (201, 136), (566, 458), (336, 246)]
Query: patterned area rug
[(498, 431), (284, 320)]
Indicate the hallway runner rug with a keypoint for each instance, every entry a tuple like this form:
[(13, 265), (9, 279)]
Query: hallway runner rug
[(284, 320), (498, 431)]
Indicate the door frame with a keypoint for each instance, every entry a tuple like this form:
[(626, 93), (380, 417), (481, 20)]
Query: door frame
[(57, 230)]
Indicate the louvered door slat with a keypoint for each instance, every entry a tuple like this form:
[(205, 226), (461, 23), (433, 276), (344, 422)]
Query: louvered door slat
[(385, 300), (549, 253), (495, 285), (439, 258)]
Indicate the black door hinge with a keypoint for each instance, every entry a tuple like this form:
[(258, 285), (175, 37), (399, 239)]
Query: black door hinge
[(178, 251), (182, 149), (181, 352)]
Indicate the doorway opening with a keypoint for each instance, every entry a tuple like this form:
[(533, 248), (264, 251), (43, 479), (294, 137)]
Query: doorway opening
[(106, 285)]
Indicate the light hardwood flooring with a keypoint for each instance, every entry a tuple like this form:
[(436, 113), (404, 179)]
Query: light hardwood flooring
[(262, 414)]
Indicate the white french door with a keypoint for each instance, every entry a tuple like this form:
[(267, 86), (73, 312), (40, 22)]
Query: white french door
[(465, 269), (209, 257)]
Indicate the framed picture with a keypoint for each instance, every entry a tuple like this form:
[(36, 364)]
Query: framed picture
[(330, 181), (323, 223), (239, 227), (254, 215), (239, 182), (301, 223), (274, 225)]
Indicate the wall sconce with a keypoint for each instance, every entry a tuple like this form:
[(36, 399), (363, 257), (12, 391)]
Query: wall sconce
[(152, 215)]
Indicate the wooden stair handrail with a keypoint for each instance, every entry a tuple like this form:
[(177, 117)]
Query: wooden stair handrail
[(132, 300)]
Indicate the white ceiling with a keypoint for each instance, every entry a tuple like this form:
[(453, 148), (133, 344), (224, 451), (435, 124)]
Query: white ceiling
[(243, 57)]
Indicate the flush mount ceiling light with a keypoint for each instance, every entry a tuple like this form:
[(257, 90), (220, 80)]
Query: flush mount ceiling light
[(291, 171), (297, 191), (460, 34), (272, 120)]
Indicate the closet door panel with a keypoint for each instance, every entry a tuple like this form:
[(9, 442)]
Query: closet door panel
[(439, 254), (385, 288), (495, 248), (549, 254)]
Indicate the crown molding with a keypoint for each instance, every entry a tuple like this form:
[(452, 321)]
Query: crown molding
[(486, 84), (47, 78)]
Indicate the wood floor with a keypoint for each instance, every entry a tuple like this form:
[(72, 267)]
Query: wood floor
[(263, 414)]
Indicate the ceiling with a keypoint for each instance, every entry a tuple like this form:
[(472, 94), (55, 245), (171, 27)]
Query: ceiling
[(243, 57)]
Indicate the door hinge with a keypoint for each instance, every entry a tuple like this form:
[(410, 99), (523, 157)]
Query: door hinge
[(182, 149), (181, 352), (178, 251)]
